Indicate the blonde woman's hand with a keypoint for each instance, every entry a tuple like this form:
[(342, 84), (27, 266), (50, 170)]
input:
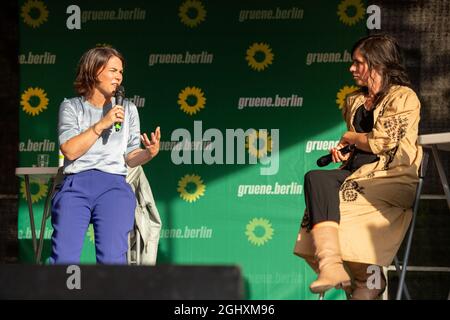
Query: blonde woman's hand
[(152, 144)]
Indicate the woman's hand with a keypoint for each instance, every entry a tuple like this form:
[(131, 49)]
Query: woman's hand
[(116, 114), (348, 138), (359, 139), (152, 144), (337, 156)]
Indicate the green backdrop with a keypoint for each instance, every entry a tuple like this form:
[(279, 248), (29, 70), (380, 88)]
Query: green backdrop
[(280, 66)]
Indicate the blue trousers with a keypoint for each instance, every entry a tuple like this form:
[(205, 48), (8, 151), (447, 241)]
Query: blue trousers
[(107, 201)]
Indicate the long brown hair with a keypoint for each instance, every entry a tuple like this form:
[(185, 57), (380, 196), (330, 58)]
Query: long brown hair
[(383, 53), (89, 65)]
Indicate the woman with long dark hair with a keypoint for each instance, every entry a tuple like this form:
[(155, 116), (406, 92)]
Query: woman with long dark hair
[(356, 216)]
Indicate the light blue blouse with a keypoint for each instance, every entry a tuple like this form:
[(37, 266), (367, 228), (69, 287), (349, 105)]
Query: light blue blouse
[(109, 152)]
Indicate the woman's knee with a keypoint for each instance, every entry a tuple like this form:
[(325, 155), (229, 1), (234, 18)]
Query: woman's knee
[(312, 175)]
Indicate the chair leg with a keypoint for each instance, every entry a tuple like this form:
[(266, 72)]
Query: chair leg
[(409, 242), (405, 259), (129, 250), (385, 295), (138, 247), (401, 290)]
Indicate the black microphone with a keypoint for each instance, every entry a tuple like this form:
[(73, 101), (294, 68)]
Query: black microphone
[(120, 94), (325, 160)]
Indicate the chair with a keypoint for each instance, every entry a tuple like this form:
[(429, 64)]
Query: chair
[(401, 268)]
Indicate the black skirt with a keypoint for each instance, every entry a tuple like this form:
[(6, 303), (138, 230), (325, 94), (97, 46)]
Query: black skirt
[(322, 196)]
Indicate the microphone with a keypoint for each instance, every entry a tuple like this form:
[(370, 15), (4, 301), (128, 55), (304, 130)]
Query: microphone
[(119, 94), (325, 160)]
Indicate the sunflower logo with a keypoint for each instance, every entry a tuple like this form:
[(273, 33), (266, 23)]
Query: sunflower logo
[(37, 190), (28, 101), (191, 100), (343, 93), (192, 13), (350, 11), (90, 233), (259, 231), (191, 187), (34, 13), (258, 144), (259, 56)]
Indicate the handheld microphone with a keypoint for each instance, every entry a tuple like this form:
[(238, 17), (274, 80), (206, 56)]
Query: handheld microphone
[(325, 160), (119, 94)]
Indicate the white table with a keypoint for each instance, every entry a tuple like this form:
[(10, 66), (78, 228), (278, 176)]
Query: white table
[(438, 141), (45, 173)]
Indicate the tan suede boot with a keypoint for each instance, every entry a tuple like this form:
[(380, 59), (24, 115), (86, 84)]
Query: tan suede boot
[(331, 268), (361, 276)]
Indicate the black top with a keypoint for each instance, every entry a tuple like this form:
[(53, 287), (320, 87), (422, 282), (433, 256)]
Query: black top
[(363, 122)]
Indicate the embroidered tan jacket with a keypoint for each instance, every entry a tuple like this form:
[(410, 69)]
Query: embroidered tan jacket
[(376, 200)]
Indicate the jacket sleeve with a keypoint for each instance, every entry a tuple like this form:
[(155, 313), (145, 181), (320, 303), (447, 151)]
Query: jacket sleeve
[(397, 118)]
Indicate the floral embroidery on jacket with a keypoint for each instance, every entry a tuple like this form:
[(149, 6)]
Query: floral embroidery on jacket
[(396, 128), (350, 190), (390, 157)]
